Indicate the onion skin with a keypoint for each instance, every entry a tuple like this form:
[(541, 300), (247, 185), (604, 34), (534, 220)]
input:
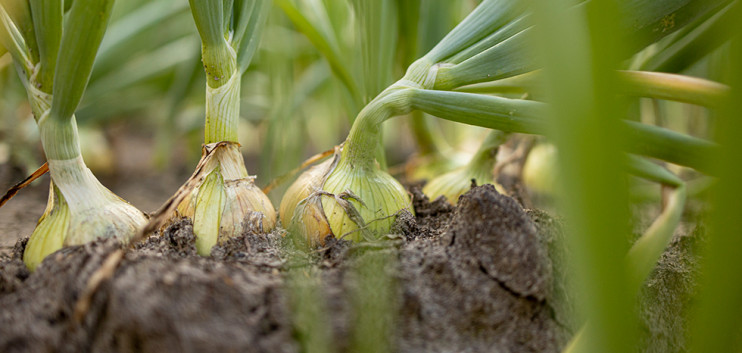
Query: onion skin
[(226, 202), (341, 200), (79, 210)]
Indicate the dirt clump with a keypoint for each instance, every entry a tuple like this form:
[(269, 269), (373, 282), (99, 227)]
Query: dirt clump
[(667, 296), (483, 286)]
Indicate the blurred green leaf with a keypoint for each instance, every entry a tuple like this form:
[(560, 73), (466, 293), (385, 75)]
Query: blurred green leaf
[(285, 127), (145, 17), (310, 316), (324, 40), (715, 325), (377, 38), (650, 20), (409, 30), (144, 67), (579, 51), (187, 74), (253, 22), (695, 42)]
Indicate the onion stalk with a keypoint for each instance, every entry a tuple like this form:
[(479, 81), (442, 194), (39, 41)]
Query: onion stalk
[(479, 171), (55, 69)]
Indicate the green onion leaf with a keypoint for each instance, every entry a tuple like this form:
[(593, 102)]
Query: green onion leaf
[(248, 29), (48, 23), (325, 42), (489, 16), (697, 41), (674, 87), (83, 31), (510, 57), (377, 38), (20, 13), (13, 41)]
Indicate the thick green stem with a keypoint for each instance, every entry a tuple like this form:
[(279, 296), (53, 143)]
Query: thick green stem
[(59, 138), (222, 111), (365, 134), (524, 116), (360, 146), (220, 62), (679, 88), (222, 72), (222, 95)]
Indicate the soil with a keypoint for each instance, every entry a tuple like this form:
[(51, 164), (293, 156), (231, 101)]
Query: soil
[(483, 276)]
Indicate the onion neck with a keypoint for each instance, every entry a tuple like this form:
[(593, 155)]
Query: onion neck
[(222, 94), (59, 137), (360, 146), (78, 185), (364, 136)]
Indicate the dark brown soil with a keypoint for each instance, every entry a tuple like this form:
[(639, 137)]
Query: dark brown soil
[(483, 276)]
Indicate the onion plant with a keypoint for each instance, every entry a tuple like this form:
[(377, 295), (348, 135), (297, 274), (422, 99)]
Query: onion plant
[(221, 198), (349, 196), (53, 53)]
